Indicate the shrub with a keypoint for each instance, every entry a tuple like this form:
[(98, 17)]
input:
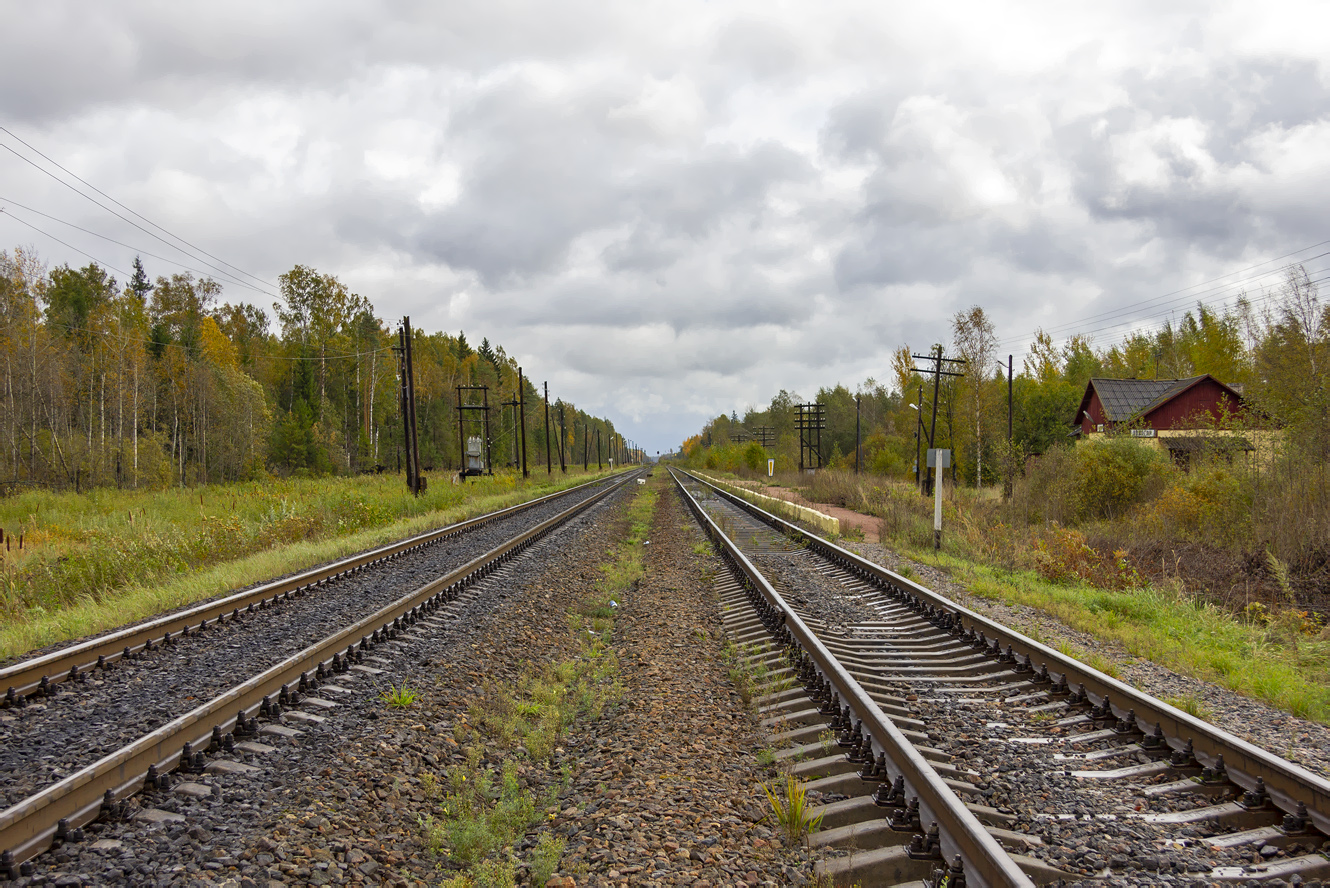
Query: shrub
[(1211, 504), (755, 456), (1114, 474), (1063, 556)]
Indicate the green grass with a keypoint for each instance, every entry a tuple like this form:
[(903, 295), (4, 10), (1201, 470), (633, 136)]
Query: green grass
[(790, 809), (399, 697), (1192, 705), (96, 561), (545, 858), (476, 817)]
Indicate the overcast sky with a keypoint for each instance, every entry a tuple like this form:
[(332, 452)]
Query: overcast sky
[(670, 210)]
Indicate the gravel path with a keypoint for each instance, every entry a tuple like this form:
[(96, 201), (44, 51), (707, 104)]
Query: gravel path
[(662, 789), (45, 742), (1299, 740)]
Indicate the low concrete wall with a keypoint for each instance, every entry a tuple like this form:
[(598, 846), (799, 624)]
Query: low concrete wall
[(778, 506)]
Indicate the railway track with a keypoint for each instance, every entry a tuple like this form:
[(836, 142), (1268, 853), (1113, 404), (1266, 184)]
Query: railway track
[(302, 678), (943, 745)]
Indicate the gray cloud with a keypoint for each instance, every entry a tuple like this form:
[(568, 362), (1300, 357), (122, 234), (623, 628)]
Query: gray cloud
[(671, 210)]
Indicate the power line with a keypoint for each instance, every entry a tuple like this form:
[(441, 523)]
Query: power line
[(1221, 296), (1177, 297), (128, 210), (4, 212), (151, 234), (231, 278)]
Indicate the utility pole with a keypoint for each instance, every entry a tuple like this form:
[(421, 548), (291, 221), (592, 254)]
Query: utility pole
[(938, 373), (1011, 456), (563, 433), (549, 466), (858, 436), (408, 400), (600, 466), (918, 438), (521, 402), (586, 444), (406, 414)]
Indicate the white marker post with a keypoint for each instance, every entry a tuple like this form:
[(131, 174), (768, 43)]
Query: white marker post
[(938, 459), (771, 467)]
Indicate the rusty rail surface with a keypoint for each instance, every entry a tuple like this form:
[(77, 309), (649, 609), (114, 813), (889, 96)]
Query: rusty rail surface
[(33, 676), (1247, 765), (986, 864), (28, 828)]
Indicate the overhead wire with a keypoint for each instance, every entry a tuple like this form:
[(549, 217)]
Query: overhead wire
[(126, 208), (3, 212), (87, 197), (1215, 297), (1185, 294), (230, 278)]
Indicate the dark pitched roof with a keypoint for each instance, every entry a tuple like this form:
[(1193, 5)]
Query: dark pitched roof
[(1125, 398)]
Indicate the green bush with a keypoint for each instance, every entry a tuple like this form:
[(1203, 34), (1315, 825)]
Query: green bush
[(1114, 474), (755, 456)]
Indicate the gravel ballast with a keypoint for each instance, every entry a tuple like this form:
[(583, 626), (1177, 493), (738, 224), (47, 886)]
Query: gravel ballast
[(1298, 740), (46, 741), (663, 788)]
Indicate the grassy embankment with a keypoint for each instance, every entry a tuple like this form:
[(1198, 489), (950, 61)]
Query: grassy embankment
[(1272, 651), (105, 558)]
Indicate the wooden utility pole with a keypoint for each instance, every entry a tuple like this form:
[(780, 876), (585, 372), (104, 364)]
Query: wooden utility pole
[(521, 409), (549, 465), (600, 464), (586, 444), (411, 442), (858, 436), (918, 438), (563, 433), (938, 373), (401, 405), (1011, 456)]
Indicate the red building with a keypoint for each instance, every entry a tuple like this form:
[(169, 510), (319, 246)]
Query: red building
[(1181, 415)]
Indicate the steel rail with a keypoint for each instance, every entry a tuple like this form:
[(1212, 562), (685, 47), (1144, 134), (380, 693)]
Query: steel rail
[(29, 827), (33, 676), (1286, 783), (986, 864)]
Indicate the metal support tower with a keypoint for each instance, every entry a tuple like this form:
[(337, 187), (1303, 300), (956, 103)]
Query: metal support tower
[(810, 420)]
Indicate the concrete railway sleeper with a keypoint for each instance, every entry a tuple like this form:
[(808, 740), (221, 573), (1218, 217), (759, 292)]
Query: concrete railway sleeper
[(946, 840), (247, 712), (1082, 776)]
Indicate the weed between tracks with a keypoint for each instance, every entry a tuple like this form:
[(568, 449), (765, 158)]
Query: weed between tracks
[(399, 697), (790, 808), (478, 813), (749, 672)]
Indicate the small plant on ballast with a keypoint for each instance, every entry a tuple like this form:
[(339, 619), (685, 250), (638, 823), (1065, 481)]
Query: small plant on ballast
[(399, 697), (789, 808)]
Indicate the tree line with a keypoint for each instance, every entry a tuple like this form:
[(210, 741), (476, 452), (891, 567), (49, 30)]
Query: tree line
[(1275, 347), (146, 383)]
